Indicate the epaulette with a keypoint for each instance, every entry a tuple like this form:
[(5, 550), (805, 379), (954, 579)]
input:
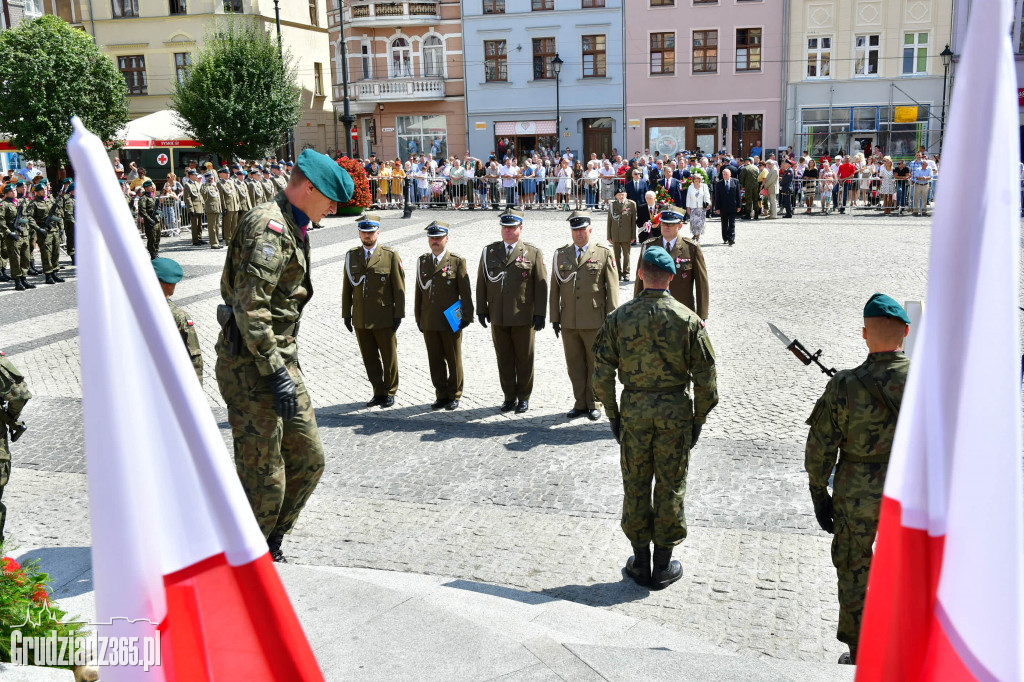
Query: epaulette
[(532, 246), (652, 240), (604, 246)]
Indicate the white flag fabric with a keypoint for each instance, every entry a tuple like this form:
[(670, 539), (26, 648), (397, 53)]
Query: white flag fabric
[(946, 592), (174, 540)]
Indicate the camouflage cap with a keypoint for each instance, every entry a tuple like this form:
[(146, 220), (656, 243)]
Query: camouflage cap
[(881, 305), (167, 270), (328, 177), (660, 258)]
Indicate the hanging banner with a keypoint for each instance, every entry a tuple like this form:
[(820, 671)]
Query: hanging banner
[(905, 115)]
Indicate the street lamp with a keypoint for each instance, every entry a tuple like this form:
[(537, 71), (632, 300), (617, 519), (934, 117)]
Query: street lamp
[(947, 58), (346, 118), (556, 67)]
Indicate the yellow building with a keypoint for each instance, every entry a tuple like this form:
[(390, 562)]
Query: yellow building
[(152, 42)]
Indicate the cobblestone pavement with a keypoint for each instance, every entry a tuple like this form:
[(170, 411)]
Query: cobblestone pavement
[(532, 502)]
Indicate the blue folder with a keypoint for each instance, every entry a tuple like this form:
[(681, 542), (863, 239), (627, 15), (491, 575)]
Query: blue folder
[(454, 315)]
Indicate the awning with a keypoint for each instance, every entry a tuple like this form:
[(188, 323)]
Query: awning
[(525, 128), (156, 130)]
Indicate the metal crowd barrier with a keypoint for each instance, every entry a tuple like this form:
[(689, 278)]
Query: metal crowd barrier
[(494, 192), (830, 195)]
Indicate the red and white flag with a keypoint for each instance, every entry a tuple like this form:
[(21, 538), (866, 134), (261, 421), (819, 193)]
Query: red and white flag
[(175, 546), (945, 593)]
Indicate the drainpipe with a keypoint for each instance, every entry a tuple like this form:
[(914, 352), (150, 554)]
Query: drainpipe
[(92, 22), (625, 121), (784, 105)]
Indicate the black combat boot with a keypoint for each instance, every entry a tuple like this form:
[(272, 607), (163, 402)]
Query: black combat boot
[(49, 279), (25, 283), (57, 278), (666, 570), (4, 277), (18, 286), (274, 545), (638, 566), (32, 269)]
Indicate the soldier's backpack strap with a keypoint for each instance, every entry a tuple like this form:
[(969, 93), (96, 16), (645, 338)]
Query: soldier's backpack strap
[(869, 382)]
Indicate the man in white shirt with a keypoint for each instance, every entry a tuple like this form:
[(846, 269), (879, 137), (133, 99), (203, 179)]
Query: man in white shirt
[(508, 183)]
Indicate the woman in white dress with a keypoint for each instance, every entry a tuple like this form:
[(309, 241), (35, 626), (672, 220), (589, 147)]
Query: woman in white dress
[(698, 198), (564, 183), (888, 188)]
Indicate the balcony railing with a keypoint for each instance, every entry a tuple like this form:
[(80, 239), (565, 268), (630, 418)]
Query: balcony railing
[(393, 89), (363, 12)]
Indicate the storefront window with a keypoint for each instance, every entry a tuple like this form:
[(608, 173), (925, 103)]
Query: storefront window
[(898, 130), (422, 135), (666, 139)]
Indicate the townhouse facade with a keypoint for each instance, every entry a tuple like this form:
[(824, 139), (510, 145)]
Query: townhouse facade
[(405, 76), (867, 73), (531, 62), (704, 75)]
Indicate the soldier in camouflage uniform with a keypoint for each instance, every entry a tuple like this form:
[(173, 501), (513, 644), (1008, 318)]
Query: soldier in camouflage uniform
[(658, 346), (67, 210), (265, 286), (48, 237), (149, 209), (169, 273), (15, 235), (14, 394), (856, 419)]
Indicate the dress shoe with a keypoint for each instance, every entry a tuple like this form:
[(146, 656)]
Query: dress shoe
[(453, 405), (4, 277), (593, 415), (575, 413), (732, 243), (377, 400), (522, 406), (32, 269), (508, 406), (666, 570), (438, 404), (387, 401), (638, 566), (218, 246), (49, 279), (18, 286), (28, 285), (57, 278)]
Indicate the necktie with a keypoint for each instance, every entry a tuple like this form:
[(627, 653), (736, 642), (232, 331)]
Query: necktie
[(437, 260), (508, 250), (368, 254), (579, 254)]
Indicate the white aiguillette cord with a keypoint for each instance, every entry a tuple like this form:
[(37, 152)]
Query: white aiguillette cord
[(487, 273), (554, 269), (348, 270), (419, 277)]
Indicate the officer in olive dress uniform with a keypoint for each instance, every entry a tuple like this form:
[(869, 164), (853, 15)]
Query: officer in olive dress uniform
[(48, 237), (512, 294), (584, 289), (169, 273), (288, 170), (237, 177), (657, 347), (856, 418), (15, 235), (622, 230), (373, 305), (254, 187), (690, 284), (228, 202), (269, 188), (442, 281), (194, 206), (277, 177), (211, 206)]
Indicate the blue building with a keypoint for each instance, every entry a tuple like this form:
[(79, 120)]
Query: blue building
[(510, 48)]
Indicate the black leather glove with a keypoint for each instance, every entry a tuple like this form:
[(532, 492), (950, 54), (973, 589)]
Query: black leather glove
[(464, 322), (557, 326), (419, 326), (697, 428), (823, 510), (538, 322), (14, 235), (616, 424), (398, 323), (286, 401), (483, 320), (348, 323)]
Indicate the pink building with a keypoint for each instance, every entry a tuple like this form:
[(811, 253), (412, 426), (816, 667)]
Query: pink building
[(693, 66)]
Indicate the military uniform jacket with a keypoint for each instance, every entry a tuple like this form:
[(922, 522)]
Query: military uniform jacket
[(622, 221), (440, 287), (582, 294), (13, 388), (691, 274), (193, 202), (280, 182), (255, 192), (269, 189), (8, 211), (266, 282), (243, 195), (852, 416), (67, 210), (37, 211), (148, 209), (60, 201), (211, 197), (228, 195), (748, 177), (511, 290), (373, 293), (187, 329)]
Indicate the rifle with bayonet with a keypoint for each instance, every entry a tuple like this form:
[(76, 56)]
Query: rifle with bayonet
[(16, 233), (801, 352), (45, 229)]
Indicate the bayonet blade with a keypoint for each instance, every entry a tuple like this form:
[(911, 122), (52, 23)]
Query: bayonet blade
[(778, 333)]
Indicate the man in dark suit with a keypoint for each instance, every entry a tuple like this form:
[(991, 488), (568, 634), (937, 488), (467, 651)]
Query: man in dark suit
[(636, 188), (674, 187), (727, 203)]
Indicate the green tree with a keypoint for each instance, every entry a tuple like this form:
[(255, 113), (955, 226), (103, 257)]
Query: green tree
[(49, 72), (239, 97)]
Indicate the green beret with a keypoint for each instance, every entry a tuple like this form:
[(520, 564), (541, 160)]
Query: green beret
[(167, 270), (660, 258), (19, 183), (39, 187), (44, 181), (881, 305), (328, 177), (9, 187), (71, 187), (147, 183), (67, 180)]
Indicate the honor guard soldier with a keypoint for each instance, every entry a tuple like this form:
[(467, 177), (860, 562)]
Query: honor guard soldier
[(269, 188), (443, 304), (194, 206), (67, 208), (255, 188), (622, 230), (14, 394), (288, 170), (265, 286), (228, 202), (211, 206), (16, 231), (584, 289), (690, 284), (238, 177), (373, 305), (856, 419), (150, 212), (48, 237), (169, 273), (277, 177), (512, 294), (658, 347)]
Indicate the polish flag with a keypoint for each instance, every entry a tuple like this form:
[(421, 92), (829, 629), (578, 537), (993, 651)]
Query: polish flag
[(175, 546), (945, 593)]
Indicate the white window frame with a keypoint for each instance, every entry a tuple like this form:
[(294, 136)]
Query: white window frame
[(867, 49), (408, 71), (915, 47), (818, 51), (33, 8), (366, 59), (441, 58)]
